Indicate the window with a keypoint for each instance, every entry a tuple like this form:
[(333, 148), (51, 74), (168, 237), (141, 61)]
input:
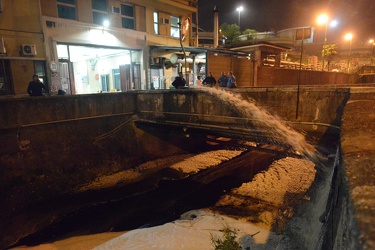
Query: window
[(116, 79), (66, 9), (99, 5), (99, 11), (175, 29), (156, 23), (127, 16)]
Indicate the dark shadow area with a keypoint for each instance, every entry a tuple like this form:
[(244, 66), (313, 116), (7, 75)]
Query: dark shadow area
[(120, 209)]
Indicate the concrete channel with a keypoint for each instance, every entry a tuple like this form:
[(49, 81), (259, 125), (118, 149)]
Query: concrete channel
[(50, 146)]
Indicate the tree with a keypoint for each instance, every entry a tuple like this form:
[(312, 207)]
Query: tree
[(231, 32), (329, 52), (249, 34)]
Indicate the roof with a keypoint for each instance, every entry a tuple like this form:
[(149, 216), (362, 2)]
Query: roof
[(197, 50), (259, 45)]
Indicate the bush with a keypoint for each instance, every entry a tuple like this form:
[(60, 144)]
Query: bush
[(228, 241)]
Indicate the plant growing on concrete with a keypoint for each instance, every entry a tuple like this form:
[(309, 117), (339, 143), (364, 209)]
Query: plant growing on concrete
[(228, 240)]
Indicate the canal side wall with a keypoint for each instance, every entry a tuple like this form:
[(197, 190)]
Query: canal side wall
[(83, 132), (354, 207), (54, 131)]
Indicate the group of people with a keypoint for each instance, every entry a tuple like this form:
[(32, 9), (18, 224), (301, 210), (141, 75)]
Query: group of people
[(228, 81)]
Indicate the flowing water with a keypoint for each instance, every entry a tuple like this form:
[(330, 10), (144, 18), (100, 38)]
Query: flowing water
[(262, 119)]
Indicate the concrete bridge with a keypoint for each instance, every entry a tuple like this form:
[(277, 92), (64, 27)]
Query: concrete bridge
[(66, 133)]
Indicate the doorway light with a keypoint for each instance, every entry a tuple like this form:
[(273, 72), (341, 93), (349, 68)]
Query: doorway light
[(105, 23)]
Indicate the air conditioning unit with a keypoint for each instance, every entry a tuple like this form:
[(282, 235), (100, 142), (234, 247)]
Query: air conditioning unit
[(28, 49), (115, 10), (164, 20)]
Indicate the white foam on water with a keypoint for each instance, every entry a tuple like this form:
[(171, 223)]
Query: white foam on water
[(262, 120)]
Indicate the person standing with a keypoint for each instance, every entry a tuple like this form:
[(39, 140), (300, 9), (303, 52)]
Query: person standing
[(179, 82), (223, 80), (209, 81), (198, 82), (231, 80), (36, 87)]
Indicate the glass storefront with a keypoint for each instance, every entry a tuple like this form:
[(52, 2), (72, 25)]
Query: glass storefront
[(89, 69)]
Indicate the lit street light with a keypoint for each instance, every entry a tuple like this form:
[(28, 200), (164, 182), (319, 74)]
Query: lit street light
[(349, 37), (239, 9), (372, 42), (323, 19)]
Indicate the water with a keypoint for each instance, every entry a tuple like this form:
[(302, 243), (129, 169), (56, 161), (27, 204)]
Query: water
[(276, 128)]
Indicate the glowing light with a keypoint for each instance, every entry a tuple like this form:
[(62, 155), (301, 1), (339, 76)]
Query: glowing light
[(106, 23), (348, 36), (334, 23), (322, 19), (239, 9)]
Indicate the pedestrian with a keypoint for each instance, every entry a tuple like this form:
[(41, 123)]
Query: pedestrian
[(179, 82), (231, 80), (198, 82), (223, 80), (36, 87), (209, 81)]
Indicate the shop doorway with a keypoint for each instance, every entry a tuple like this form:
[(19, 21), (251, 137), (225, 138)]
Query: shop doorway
[(6, 86), (93, 69)]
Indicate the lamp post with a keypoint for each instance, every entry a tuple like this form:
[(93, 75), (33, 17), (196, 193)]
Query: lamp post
[(349, 37), (372, 42), (239, 9), (323, 19)]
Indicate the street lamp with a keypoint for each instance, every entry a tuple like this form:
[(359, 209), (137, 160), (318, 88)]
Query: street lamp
[(372, 42), (239, 9), (349, 37), (323, 19)]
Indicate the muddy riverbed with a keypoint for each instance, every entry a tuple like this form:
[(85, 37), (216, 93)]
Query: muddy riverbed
[(160, 191)]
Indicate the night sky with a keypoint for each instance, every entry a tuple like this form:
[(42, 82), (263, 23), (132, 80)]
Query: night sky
[(355, 16)]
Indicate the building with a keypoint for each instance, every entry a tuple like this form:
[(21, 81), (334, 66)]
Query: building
[(84, 47)]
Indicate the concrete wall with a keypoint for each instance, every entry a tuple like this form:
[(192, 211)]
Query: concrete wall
[(76, 122), (356, 229), (270, 76)]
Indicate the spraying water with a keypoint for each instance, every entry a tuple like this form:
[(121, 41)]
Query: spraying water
[(279, 131)]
